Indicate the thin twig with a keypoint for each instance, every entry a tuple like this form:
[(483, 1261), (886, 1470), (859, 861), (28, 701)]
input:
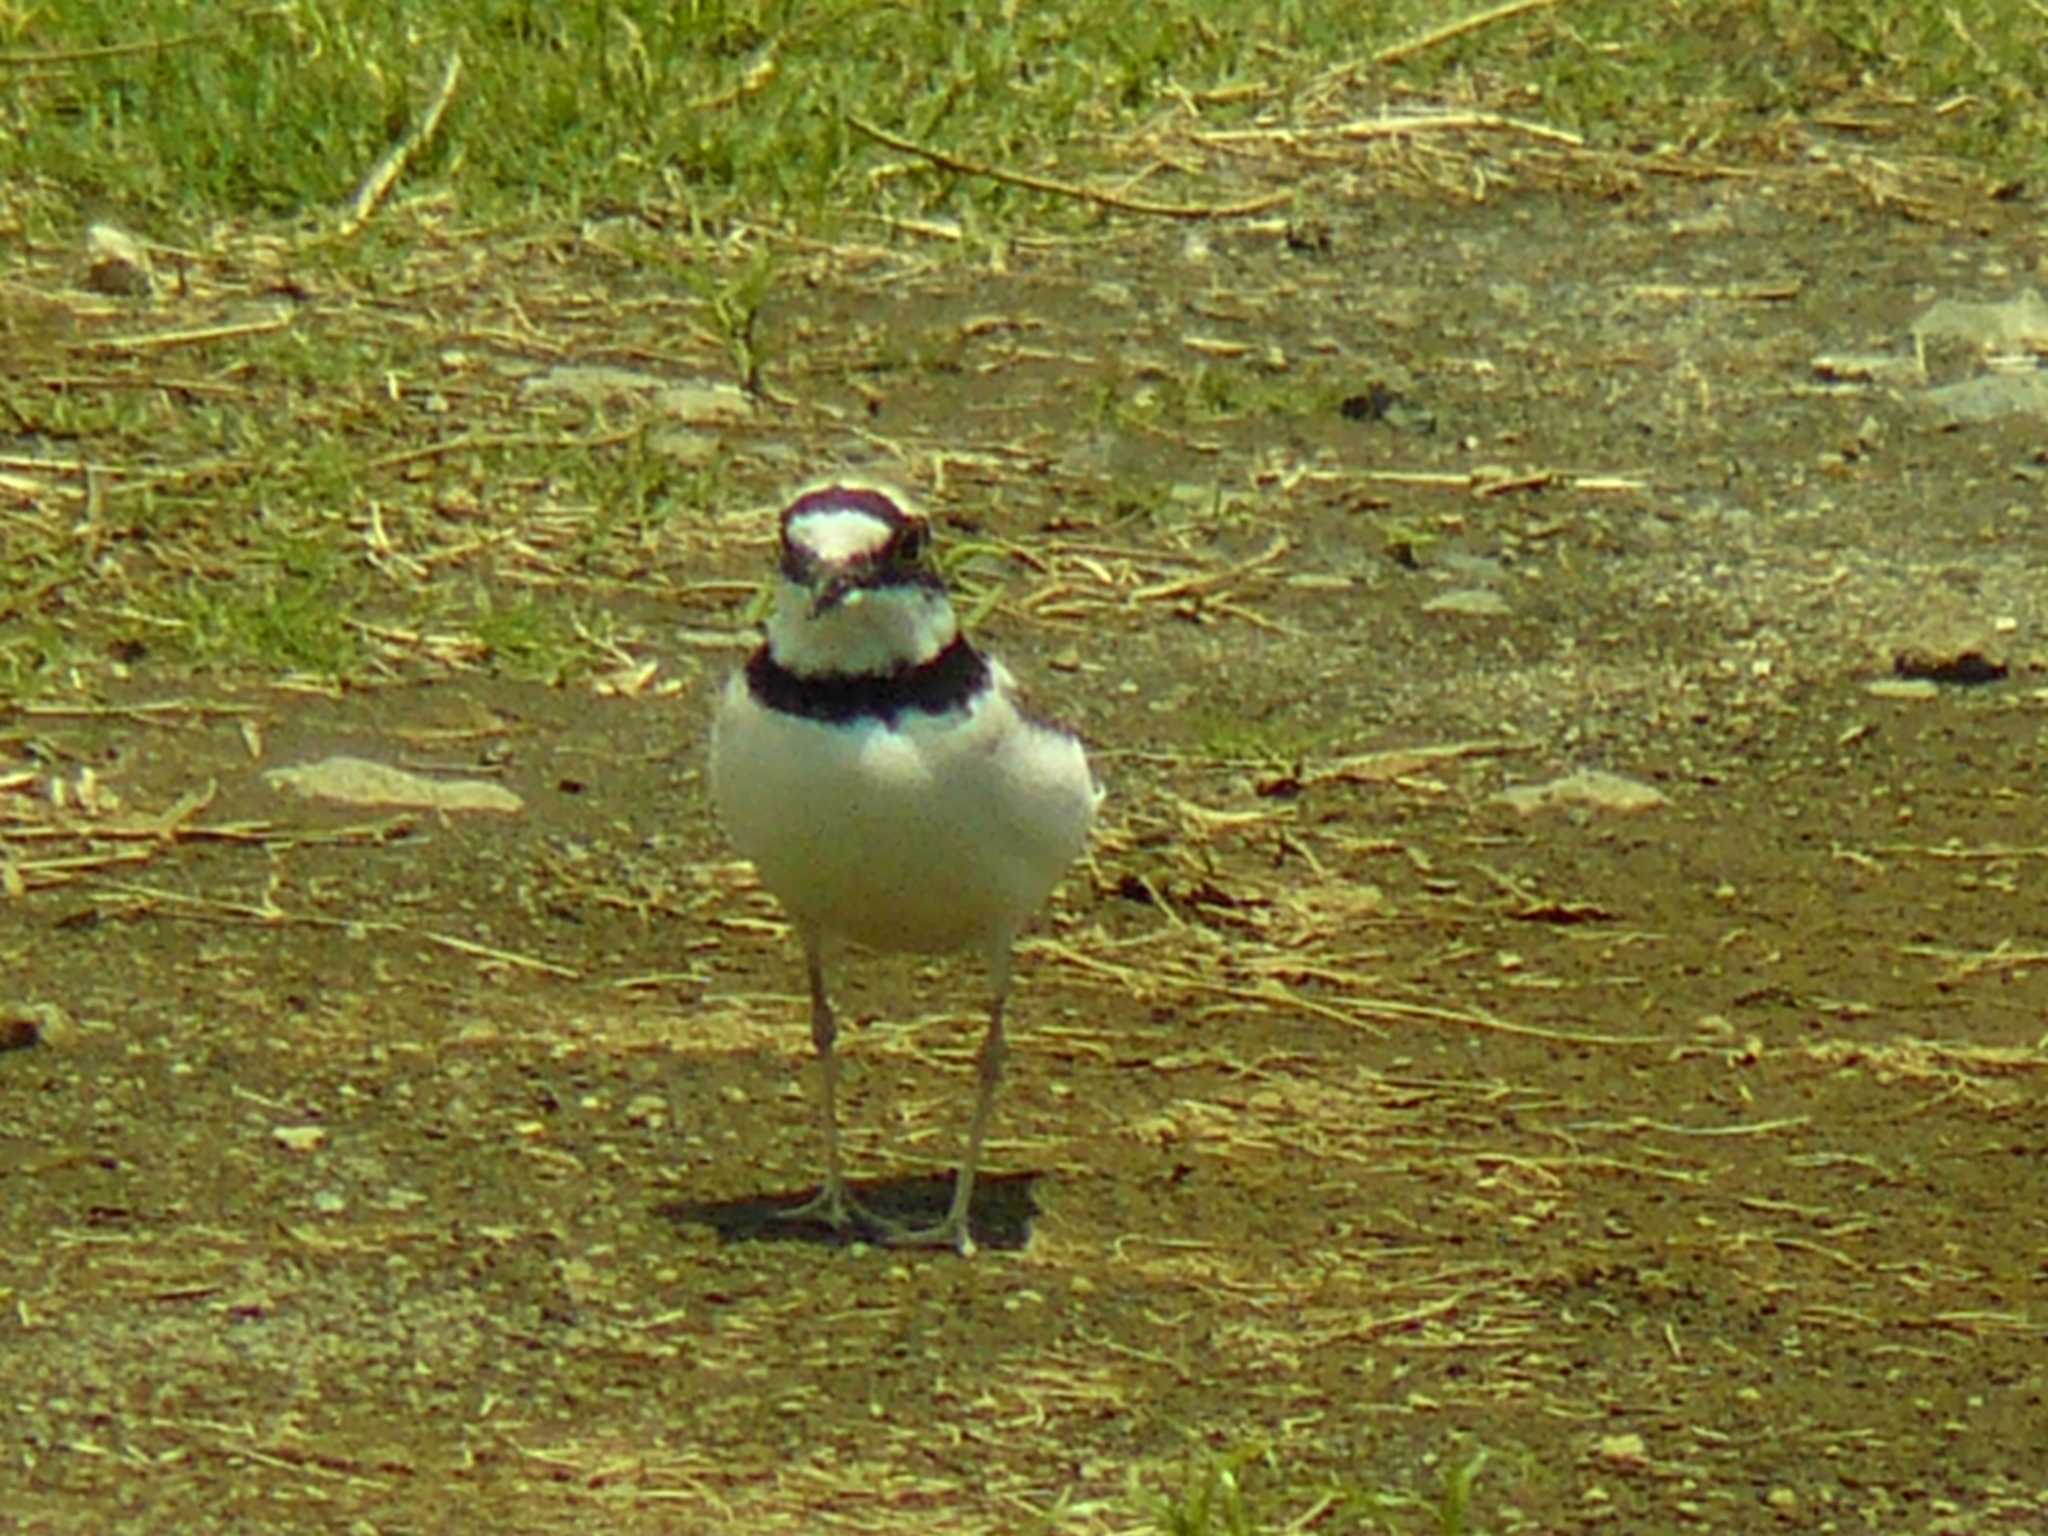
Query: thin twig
[(1183, 586), (1377, 128), (1068, 189), (147, 45), (1396, 127), (1988, 851), (198, 336), (387, 170), (758, 77), (1449, 30), (58, 382), (143, 711)]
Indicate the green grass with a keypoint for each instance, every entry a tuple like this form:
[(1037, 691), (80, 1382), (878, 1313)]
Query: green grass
[(1247, 1493), (527, 637), (719, 112), (570, 111), (289, 622), (1229, 737)]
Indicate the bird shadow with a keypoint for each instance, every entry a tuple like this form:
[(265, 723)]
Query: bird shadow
[(1001, 1216)]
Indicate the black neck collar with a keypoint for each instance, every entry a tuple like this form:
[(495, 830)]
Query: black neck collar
[(950, 680)]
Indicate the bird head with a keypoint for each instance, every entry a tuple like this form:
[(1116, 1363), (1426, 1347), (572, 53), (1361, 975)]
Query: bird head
[(859, 593)]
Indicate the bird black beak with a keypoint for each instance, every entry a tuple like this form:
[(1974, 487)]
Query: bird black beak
[(837, 588)]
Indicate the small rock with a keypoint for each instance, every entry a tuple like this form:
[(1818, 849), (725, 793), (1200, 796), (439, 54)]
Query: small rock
[(1989, 397), (706, 405), (359, 781), (1479, 602), (1591, 788), (695, 402), (1867, 367), (594, 382), (2019, 323), (1951, 649), (25, 1024), (17, 1031), (117, 263)]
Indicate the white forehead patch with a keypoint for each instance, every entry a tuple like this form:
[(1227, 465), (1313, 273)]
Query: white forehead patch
[(839, 534)]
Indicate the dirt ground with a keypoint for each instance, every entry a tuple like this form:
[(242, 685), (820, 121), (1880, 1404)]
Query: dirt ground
[(383, 1171)]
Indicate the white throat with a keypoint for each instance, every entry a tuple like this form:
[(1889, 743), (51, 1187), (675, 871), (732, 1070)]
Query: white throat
[(878, 631)]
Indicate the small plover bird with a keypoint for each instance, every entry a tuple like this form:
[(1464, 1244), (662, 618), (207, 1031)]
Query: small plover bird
[(888, 785)]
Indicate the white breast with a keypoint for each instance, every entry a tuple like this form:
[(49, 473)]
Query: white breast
[(942, 832)]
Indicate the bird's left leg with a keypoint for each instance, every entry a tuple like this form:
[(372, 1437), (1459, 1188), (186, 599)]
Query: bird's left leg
[(952, 1231)]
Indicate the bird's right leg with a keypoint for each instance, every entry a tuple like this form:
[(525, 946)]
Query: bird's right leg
[(833, 1204)]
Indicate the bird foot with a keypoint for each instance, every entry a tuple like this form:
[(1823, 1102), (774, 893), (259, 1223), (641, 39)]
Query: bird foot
[(950, 1233), (835, 1207), (832, 1205)]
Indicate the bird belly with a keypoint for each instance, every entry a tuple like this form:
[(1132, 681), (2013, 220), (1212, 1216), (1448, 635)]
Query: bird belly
[(936, 832)]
